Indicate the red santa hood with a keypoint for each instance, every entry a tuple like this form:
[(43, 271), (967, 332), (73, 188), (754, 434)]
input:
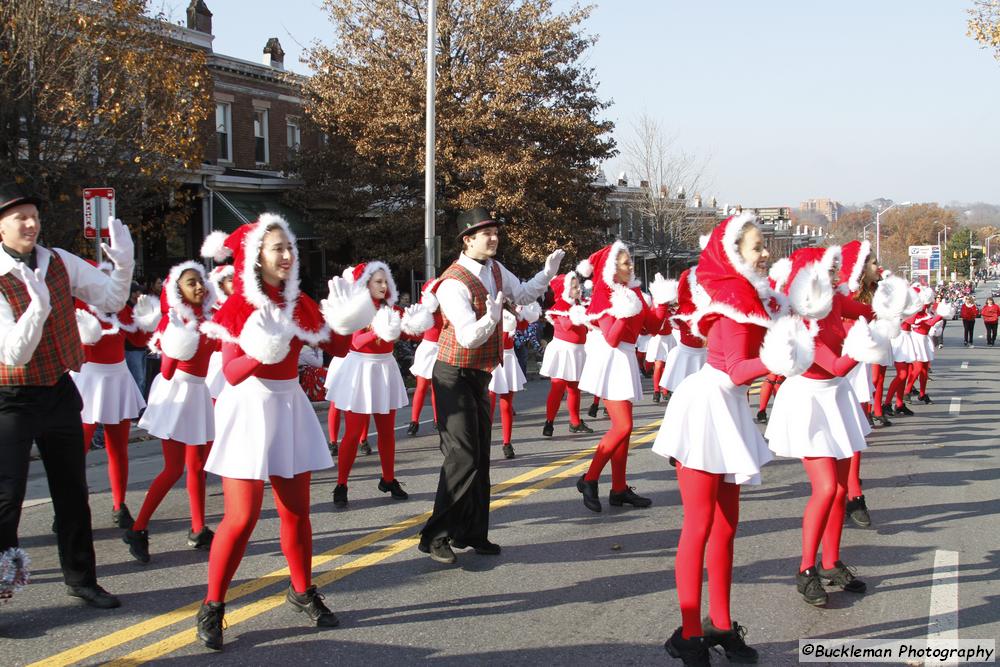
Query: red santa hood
[(854, 255), (560, 289), (428, 298), (602, 266), (215, 278)]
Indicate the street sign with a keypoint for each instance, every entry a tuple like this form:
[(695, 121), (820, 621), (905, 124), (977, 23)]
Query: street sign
[(923, 260), (98, 206)]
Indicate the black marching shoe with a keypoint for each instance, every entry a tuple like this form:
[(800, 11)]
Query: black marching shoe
[(121, 517), (888, 410), (392, 487), (202, 539), (883, 419), (590, 496), (365, 448), (412, 429), (311, 604), (903, 410), (548, 428), (209, 624), (857, 512), (808, 583), (592, 411), (761, 417), (871, 420), (340, 495), (484, 548), (94, 596), (508, 451), (843, 576), (580, 428), (334, 448), (628, 497), (693, 652), (731, 642), (439, 550), (138, 544), (656, 397), (925, 399)]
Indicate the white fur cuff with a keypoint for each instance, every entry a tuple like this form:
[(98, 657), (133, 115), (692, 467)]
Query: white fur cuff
[(946, 310), (387, 324), (88, 326), (578, 315), (264, 346), (788, 347), (349, 315), (146, 313), (417, 319), (180, 343), (860, 345), (624, 302), (663, 290)]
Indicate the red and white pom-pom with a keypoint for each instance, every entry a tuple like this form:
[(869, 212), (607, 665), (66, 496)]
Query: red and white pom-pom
[(213, 247)]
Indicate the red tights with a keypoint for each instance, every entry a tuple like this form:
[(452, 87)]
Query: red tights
[(854, 477), (613, 446), (897, 384), (768, 389), (116, 445), (177, 456), (711, 513), (243, 498), (423, 385), (918, 371), (658, 367), (355, 431), (878, 379), (506, 413), (333, 425), (560, 387), (824, 516)]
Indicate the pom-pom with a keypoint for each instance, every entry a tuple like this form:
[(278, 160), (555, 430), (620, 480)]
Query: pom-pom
[(780, 271), (213, 247), (585, 268)]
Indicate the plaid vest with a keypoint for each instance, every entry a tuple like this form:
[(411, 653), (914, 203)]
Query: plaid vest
[(487, 356), (59, 349)]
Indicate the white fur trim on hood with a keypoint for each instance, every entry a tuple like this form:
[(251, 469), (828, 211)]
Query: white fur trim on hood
[(215, 278), (730, 246), (611, 266)]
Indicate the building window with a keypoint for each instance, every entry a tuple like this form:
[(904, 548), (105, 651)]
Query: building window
[(294, 135), (260, 136), (223, 130)]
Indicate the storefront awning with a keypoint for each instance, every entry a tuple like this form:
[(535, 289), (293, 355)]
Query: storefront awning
[(232, 209)]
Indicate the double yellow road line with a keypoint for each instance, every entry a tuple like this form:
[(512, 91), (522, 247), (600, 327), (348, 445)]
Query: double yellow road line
[(546, 476)]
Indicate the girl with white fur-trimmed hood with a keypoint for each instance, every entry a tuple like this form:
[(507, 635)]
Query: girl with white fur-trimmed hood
[(180, 410), (566, 353)]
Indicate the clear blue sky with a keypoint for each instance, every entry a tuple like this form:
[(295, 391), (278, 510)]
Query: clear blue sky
[(788, 100)]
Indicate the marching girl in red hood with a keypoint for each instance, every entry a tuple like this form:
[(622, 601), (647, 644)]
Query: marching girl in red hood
[(367, 383), (507, 379), (110, 395), (662, 343), (688, 356), (904, 353), (180, 410), (923, 351), (265, 427), (424, 358), (565, 355), (709, 430), (220, 286), (611, 370)]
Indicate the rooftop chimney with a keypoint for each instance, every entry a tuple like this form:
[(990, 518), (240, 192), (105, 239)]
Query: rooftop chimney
[(198, 17), (274, 55)]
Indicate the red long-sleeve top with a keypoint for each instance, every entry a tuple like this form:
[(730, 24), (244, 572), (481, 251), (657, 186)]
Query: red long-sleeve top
[(734, 349), (688, 338), (434, 333), (922, 322), (196, 365), (617, 331), (828, 360), (851, 310), (564, 329), (110, 349), (366, 341), (990, 313), (968, 312), (666, 328)]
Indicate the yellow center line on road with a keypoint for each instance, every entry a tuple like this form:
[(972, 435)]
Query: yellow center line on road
[(133, 632), (188, 636)]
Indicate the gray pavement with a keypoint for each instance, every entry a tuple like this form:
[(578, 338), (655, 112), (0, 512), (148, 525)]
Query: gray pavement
[(571, 587)]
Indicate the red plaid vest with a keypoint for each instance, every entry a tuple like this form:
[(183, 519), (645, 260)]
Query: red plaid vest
[(487, 356), (59, 349)]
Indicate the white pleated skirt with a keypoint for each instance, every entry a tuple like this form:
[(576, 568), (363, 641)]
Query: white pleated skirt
[(423, 359), (367, 384), (110, 394), (266, 428), (814, 418), (902, 348), (331, 375), (563, 360), (612, 372), (642, 343), (659, 347), (708, 426), (682, 361), (860, 379), (180, 409), (923, 349), (215, 379), (508, 377)]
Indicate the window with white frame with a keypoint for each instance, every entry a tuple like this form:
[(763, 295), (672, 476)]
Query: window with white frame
[(223, 130), (294, 135), (260, 136)]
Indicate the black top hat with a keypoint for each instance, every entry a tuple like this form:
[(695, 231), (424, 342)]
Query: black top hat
[(12, 194), (471, 221)]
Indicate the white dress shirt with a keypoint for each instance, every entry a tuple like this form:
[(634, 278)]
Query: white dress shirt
[(456, 301), (20, 337)]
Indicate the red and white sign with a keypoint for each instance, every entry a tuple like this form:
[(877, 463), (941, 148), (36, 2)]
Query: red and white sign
[(98, 206)]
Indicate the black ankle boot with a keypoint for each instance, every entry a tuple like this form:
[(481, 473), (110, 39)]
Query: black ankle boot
[(393, 487), (693, 652), (138, 544), (592, 411), (311, 604), (808, 583), (590, 496), (761, 417), (843, 576), (883, 420), (857, 512), (412, 429), (629, 497), (547, 429), (731, 642), (209, 624), (580, 428)]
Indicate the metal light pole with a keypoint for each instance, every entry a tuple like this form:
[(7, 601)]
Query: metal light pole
[(878, 229), (942, 264), (429, 183)]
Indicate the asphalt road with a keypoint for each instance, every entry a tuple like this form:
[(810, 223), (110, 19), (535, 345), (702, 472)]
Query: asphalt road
[(571, 587)]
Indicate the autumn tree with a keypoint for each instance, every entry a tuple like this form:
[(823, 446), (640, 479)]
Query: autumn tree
[(904, 226), (850, 226), (984, 24), (95, 93), (518, 128)]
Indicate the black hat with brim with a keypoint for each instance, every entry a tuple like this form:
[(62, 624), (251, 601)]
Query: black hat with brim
[(471, 221), (14, 194)]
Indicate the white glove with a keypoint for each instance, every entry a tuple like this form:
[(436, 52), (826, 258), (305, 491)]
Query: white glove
[(552, 263), (417, 319), (122, 250), (788, 347), (494, 307), (267, 335), (347, 309), (88, 326), (146, 313), (35, 284), (530, 312), (860, 345), (663, 290), (625, 303), (386, 324), (180, 339), (578, 315)]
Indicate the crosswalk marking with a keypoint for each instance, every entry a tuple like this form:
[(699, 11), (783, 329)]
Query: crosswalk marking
[(956, 406)]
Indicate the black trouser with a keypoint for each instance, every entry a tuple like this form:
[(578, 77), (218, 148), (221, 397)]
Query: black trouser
[(991, 332), (968, 324), (462, 503), (49, 416)]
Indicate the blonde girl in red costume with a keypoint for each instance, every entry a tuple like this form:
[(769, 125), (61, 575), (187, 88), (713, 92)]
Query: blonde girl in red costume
[(611, 369), (424, 358), (368, 383), (110, 395), (564, 356), (265, 427), (180, 411)]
